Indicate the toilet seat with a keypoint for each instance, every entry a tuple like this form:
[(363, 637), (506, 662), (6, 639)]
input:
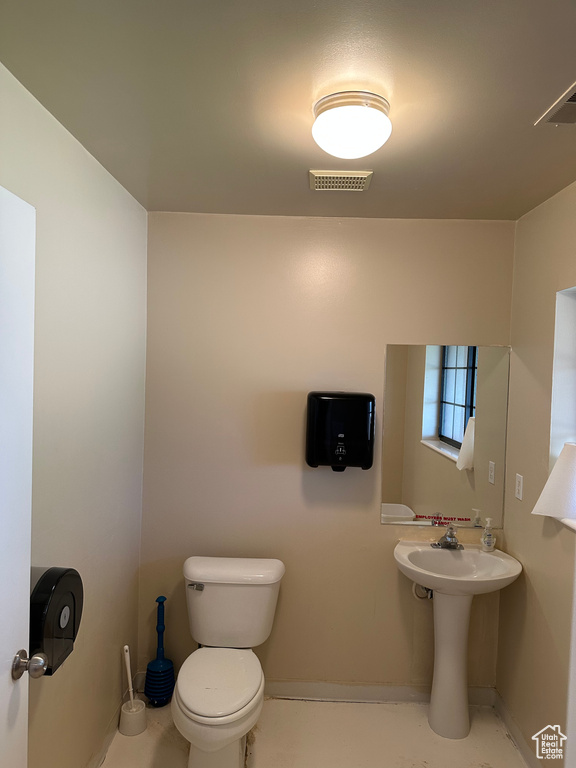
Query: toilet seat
[(217, 685)]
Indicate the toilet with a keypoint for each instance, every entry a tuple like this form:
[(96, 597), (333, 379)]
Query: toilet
[(220, 688)]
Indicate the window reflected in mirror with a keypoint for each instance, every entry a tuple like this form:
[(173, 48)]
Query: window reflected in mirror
[(457, 393)]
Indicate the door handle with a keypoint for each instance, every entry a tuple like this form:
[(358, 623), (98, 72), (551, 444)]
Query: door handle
[(35, 666)]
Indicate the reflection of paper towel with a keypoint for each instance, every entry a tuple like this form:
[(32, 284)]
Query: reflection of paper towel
[(466, 455)]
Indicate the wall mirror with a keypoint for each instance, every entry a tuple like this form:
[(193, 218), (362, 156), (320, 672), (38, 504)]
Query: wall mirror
[(438, 465)]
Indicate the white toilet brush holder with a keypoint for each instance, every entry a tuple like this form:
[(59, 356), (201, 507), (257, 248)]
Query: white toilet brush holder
[(133, 718), (133, 713)]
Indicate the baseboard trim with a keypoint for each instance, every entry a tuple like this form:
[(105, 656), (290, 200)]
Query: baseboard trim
[(320, 691), (513, 729), (97, 759)]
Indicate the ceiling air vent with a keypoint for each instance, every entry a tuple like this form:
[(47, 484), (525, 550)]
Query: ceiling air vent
[(340, 181), (563, 111)]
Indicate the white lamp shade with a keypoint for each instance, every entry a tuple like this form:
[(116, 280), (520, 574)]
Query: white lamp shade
[(558, 497), (351, 124)]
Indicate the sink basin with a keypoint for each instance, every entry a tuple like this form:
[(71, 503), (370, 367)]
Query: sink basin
[(468, 571)]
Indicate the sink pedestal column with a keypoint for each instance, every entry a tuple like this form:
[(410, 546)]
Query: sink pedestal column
[(448, 714)]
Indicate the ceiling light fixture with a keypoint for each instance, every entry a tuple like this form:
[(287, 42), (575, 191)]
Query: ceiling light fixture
[(351, 124)]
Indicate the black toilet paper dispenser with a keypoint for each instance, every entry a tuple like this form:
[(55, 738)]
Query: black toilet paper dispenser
[(55, 612), (340, 430)]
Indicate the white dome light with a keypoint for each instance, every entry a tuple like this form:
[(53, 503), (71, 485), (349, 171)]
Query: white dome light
[(351, 124)]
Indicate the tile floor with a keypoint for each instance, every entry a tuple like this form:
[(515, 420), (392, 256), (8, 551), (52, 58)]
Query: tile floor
[(311, 734)]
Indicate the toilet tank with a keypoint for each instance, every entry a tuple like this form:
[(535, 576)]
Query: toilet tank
[(231, 600)]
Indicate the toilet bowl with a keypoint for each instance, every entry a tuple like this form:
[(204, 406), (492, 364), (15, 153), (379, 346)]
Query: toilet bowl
[(218, 698), (219, 690)]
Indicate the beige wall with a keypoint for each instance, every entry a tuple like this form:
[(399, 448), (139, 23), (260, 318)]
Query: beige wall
[(533, 662), (246, 315), (88, 413)]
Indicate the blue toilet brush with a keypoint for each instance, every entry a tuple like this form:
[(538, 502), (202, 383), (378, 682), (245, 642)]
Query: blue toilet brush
[(160, 681)]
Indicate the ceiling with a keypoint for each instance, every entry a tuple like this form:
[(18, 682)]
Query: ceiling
[(207, 106)]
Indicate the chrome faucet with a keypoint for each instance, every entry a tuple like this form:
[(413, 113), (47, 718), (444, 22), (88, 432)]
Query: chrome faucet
[(448, 540)]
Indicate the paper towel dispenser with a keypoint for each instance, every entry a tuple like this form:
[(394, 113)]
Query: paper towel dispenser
[(340, 430), (55, 612)]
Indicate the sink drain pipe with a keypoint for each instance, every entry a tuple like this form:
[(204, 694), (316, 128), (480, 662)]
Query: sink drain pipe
[(422, 593)]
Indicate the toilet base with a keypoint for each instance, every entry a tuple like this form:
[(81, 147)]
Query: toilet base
[(231, 756)]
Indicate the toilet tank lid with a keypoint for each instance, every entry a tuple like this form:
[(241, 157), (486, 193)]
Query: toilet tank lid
[(233, 570)]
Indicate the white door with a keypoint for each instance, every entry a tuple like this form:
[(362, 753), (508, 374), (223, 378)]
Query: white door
[(17, 250)]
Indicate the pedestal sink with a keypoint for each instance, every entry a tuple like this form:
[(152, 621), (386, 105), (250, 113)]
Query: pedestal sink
[(455, 575)]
